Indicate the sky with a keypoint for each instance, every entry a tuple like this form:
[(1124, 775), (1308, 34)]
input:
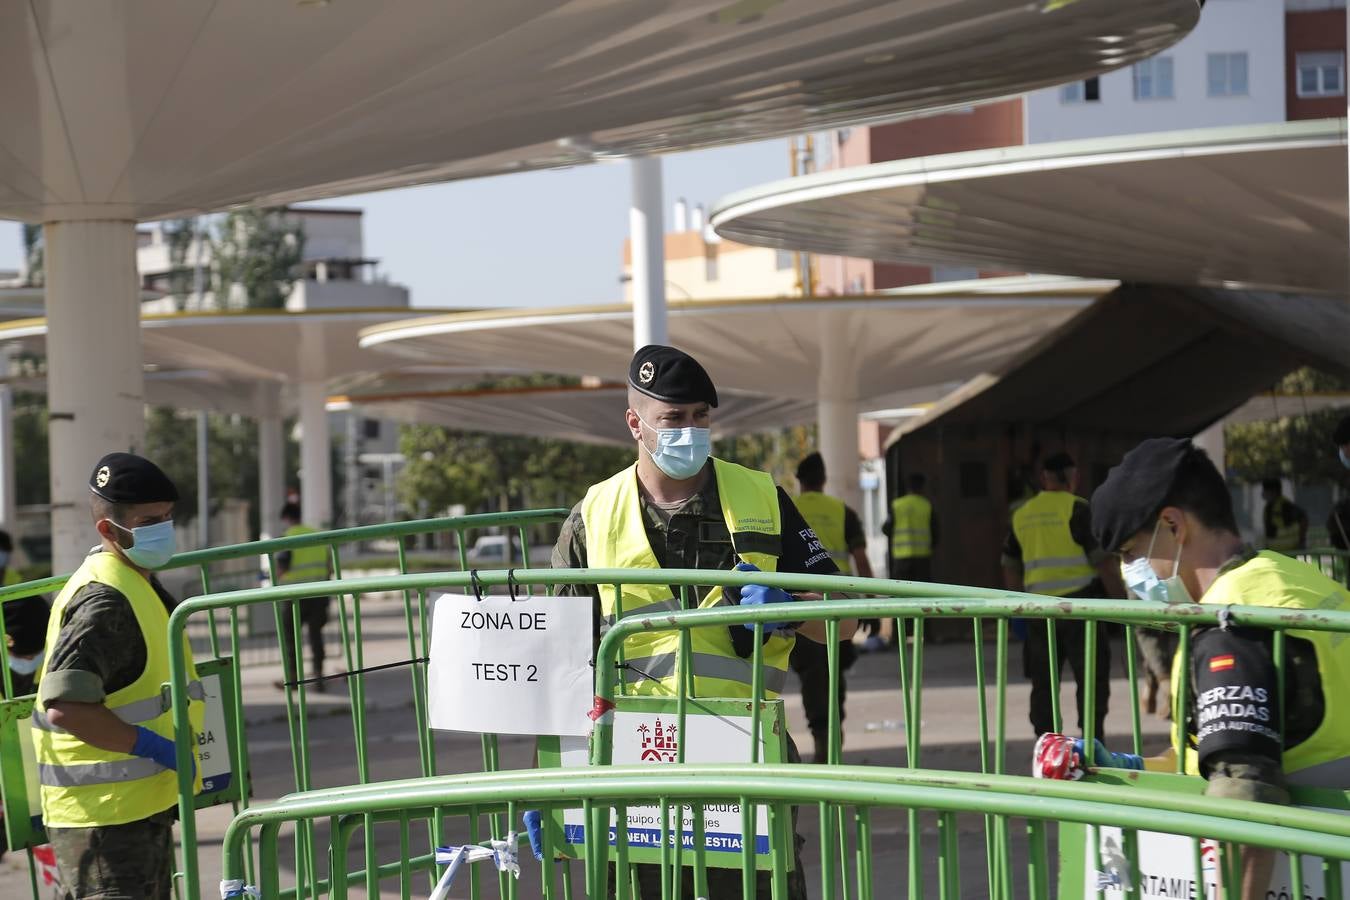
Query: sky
[(526, 239)]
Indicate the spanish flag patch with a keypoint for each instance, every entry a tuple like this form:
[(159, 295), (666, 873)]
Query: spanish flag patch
[(1221, 663)]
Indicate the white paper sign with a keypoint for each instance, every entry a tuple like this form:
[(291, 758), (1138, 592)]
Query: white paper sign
[(506, 666), (213, 750), (1167, 868), (641, 738)]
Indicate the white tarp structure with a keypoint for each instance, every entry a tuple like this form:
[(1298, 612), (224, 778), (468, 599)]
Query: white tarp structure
[(1253, 206)]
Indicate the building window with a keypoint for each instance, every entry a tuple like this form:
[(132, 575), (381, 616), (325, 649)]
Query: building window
[(1321, 74), (955, 273), (782, 260), (1228, 74), (1153, 79), (1089, 91)]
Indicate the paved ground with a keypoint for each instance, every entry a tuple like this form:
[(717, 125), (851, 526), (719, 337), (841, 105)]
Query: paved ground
[(872, 737)]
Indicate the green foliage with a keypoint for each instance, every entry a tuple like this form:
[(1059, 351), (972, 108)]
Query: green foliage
[(1298, 444), (31, 470), (258, 250), (33, 255), (775, 452), (179, 233), (490, 472)]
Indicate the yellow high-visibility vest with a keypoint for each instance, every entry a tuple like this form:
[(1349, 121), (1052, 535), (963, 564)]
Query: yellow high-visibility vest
[(1052, 562), (1272, 579), (307, 563), (825, 515), (911, 527), (83, 786), (616, 538), (1286, 526)]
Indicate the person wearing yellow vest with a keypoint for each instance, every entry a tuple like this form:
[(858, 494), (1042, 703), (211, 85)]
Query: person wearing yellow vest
[(1050, 550), (1167, 511), (24, 632), (294, 567), (102, 727), (913, 531), (840, 532), (1285, 522), (678, 507)]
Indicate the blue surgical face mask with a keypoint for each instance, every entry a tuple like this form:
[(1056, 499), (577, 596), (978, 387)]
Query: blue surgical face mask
[(20, 666), (1345, 459), (1145, 584), (680, 452), (154, 546)]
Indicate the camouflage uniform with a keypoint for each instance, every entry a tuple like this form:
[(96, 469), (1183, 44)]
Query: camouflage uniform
[(101, 650)]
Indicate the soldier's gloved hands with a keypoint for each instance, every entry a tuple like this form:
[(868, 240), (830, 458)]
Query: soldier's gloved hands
[(150, 745), (759, 595), (1103, 757)]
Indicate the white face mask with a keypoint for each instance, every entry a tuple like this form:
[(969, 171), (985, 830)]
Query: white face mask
[(1145, 584), (20, 666), (680, 452)]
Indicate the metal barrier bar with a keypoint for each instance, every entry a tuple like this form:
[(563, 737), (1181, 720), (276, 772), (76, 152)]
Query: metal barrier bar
[(864, 788)]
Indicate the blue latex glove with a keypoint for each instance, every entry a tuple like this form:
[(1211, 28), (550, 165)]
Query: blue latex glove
[(155, 746), (1103, 757), (759, 595), (534, 828)]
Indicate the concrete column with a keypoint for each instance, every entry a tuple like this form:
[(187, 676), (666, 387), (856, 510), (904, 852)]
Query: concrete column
[(95, 387), (316, 463), (837, 410), (7, 483), (646, 226), (271, 458)]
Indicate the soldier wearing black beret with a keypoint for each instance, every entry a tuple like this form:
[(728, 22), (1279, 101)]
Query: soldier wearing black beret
[(1167, 511), (102, 735), (678, 506)]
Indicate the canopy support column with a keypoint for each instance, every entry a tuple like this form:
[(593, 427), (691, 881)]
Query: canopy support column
[(316, 463), (837, 410), (646, 226), (96, 393), (271, 459)]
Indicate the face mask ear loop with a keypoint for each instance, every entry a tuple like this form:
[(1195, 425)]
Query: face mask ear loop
[(1153, 540), (1176, 562)]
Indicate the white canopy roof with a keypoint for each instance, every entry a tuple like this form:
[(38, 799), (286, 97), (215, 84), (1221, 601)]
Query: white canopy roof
[(142, 110), (771, 347), (1256, 206), (587, 414)]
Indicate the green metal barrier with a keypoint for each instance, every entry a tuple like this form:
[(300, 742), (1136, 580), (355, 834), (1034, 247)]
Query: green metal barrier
[(858, 797), (906, 601), (214, 637), (1333, 563)]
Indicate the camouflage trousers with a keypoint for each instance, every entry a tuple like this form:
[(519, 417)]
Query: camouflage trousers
[(117, 862)]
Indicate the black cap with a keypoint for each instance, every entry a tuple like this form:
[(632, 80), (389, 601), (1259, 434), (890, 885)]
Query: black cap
[(671, 375), (26, 626), (1135, 490), (128, 478), (1057, 462)]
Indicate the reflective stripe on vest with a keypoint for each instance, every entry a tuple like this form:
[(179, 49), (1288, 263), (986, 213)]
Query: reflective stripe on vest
[(616, 538), (911, 527), (1052, 562), (133, 713), (82, 785), (825, 515), (307, 563), (1271, 579)]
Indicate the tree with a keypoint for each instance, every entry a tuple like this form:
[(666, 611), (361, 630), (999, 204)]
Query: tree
[(257, 251), (31, 464), (179, 233), (1298, 444), (34, 273)]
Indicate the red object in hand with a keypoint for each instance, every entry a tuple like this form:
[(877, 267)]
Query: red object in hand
[(1056, 758)]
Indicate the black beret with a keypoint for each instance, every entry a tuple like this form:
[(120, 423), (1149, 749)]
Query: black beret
[(671, 375), (128, 478), (1135, 490), (1057, 462), (26, 626)]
